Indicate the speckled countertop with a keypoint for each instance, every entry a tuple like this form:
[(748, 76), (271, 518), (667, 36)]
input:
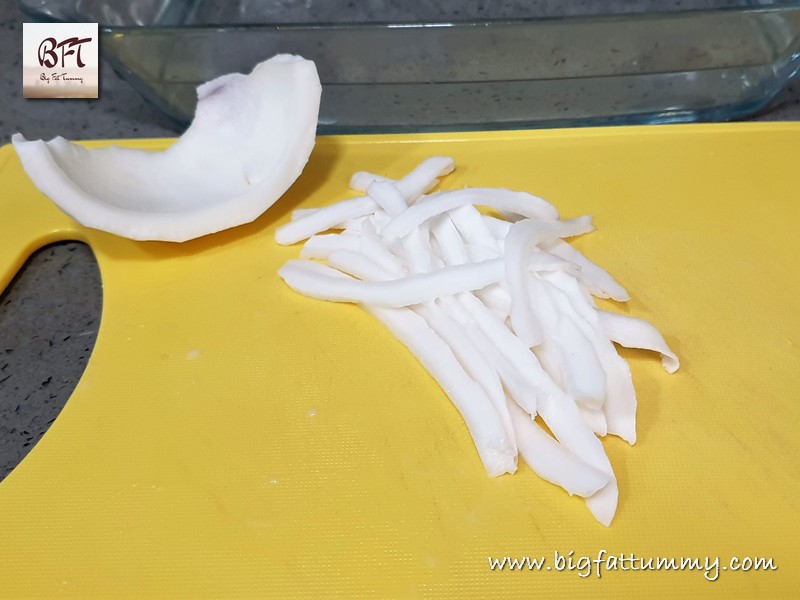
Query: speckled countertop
[(49, 316)]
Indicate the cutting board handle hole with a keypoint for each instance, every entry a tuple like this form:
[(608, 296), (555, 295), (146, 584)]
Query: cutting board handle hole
[(54, 304)]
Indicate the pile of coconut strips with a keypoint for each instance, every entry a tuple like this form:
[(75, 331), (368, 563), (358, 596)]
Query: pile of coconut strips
[(499, 309)]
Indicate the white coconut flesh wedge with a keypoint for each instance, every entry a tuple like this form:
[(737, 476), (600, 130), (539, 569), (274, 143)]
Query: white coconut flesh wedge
[(250, 139)]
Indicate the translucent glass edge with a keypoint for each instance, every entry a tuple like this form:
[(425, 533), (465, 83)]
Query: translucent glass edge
[(710, 115), (682, 12), (713, 113)]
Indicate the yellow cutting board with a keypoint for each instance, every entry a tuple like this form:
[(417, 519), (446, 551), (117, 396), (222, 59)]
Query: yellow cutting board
[(230, 438)]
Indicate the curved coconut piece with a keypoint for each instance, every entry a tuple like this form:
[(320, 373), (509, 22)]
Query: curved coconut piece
[(249, 141)]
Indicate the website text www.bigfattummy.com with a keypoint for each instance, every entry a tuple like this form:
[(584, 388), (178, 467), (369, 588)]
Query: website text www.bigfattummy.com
[(603, 562)]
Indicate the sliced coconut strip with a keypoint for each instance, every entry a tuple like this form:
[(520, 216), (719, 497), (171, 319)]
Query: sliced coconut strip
[(387, 196), (471, 359), (620, 398), (454, 252), (324, 219), (548, 356), (372, 246), (603, 503), (469, 223), (567, 287), (545, 315), (597, 279), (320, 246), (351, 225), (378, 220), (520, 358), (517, 389), (550, 460), (478, 253), (496, 298), (637, 333), (543, 261), (360, 265), (431, 206), (561, 415), (453, 249), (299, 213), (451, 246), (250, 139), (498, 227), (421, 180), (361, 180), (568, 349), (522, 237), (417, 251), (425, 177), (583, 372), (595, 419), (316, 280), (620, 404)]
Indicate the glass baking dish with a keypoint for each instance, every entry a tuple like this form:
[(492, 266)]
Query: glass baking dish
[(388, 65)]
